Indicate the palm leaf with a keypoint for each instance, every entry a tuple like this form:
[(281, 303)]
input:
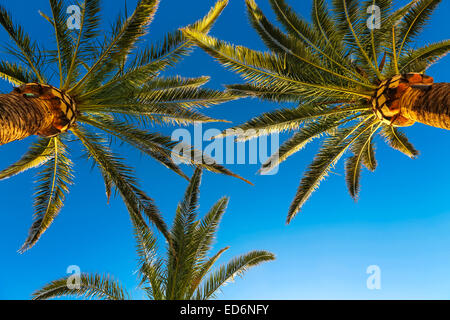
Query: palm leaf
[(422, 58), (83, 48), (181, 252), (153, 144), (15, 74), (53, 185), (120, 45), (305, 135), (39, 153), (414, 21), (397, 140), (28, 51), (287, 119), (64, 47), (235, 268), (268, 69), (332, 150), (354, 163), (91, 286), (121, 176)]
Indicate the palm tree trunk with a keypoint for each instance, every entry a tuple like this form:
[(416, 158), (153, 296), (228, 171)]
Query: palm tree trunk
[(428, 105), (21, 117)]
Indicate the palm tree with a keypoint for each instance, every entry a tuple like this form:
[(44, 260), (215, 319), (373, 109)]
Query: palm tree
[(185, 274), (350, 82), (108, 89)]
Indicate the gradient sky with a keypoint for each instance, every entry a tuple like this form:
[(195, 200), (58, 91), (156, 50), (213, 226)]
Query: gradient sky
[(401, 222)]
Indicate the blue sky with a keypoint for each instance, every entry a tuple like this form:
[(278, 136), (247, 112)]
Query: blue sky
[(401, 222)]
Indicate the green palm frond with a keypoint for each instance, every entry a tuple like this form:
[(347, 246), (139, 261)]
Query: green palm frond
[(53, 185), (91, 286), (226, 273), (288, 119), (150, 266), (207, 228), (15, 74), (176, 82), (305, 135), (414, 21), (182, 252), (323, 21), (422, 58), (332, 150), (27, 51), (64, 48), (153, 144), (204, 236), (372, 38), (89, 30), (295, 49), (348, 14), (190, 155), (121, 177), (203, 270), (270, 70), (361, 154), (39, 153), (312, 37), (398, 140), (120, 45)]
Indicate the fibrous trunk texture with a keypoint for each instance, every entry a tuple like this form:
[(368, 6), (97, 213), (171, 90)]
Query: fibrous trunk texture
[(21, 117), (430, 106)]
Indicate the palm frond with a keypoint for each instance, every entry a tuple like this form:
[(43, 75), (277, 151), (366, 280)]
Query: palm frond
[(203, 271), (323, 21), (419, 60), (349, 15), (153, 144), (64, 47), (398, 140), (15, 74), (269, 69), (299, 28), (121, 176), (120, 45), (53, 185), (83, 48), (235, 268), (288, 119), (156, 58), (372, 38), (354, 163), (91, 286), (28, 52), (39, 153), (150, 267), (189, 155), (414, 21), (297, 53), (305, 135), (332, 150), (203, 239), (181, 252)]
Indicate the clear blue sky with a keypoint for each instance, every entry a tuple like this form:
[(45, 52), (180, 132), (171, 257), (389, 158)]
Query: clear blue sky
[(401, 223)]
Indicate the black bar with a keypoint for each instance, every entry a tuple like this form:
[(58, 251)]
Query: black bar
[(226, 309)]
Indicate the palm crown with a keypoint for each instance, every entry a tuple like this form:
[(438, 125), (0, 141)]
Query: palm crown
[(107, 89), (351, 82), (185, 274)]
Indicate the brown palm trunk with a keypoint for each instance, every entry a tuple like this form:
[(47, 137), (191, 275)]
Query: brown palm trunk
[(428, 105), (21, 117)]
